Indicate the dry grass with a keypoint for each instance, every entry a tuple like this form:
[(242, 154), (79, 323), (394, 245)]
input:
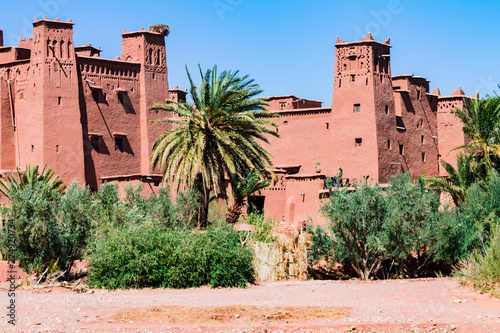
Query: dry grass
[(207, 315), (282, 260)]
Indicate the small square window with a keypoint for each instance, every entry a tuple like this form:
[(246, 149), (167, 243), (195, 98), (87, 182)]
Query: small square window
[(359, 141), (119, 144), (353, 78), (401, 149), (94, 143), (357, 107)]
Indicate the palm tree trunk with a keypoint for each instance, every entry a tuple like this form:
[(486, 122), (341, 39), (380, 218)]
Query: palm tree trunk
[(203, 210), (234, 212)]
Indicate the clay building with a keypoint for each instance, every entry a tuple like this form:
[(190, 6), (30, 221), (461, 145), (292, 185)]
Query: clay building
[(86, 117), (377, 126)]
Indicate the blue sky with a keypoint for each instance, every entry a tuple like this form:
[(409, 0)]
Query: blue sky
[(287, 46)]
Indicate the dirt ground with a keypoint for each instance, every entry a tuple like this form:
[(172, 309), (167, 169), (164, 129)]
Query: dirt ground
[(439, 305)]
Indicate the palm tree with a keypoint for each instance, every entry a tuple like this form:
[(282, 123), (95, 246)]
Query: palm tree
[(215, 136), (469, 171), (481, 119), (245, 187), (18, 181)]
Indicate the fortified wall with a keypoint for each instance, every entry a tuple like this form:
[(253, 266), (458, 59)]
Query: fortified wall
[(84, 116), (377, 126), (87, 118)]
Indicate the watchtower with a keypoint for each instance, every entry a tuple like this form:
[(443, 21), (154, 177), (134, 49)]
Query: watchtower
[(363, 109)]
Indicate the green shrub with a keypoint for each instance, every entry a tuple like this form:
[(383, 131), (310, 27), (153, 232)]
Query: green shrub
[(136, 256), (264, 227), (322, 246), (482, 270), (49, 228), (383, 232), (33, 211)]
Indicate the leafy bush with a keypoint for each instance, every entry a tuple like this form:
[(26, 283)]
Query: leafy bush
[(133, 256), (482, 271), (33, 211), (49, 227), (264, 227), (467, 228), (322, 246), (382, 232), (75, 221)]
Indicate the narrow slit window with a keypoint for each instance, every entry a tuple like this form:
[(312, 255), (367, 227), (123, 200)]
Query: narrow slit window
[(418, 94), (58, 100), (422, 139), (389, 144), (423, 157), (401, 149), (387, 109)]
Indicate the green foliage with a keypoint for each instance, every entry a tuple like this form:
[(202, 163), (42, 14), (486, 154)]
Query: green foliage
[(50, 228), (243, 187), (33, 211), (372, 227), (133, 256), (322, 246), (107, 211), (18, 181), (468, 227), (469, 171), (75, 224), (482, 270), (188, 203), (264, 228), (215, 136), (410, 224), (356, 227), (481, 119)]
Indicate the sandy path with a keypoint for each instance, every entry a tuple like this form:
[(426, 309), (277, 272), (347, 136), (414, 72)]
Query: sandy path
[(380, 306)]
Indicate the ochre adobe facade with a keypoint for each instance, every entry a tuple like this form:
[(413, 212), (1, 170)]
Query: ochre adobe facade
[(86, 117), (377, 126)]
